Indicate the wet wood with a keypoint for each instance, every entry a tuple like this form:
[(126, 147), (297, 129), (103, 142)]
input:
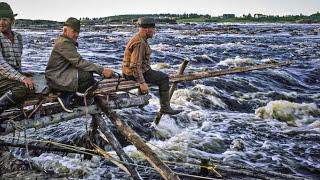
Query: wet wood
[(138, 142), (106, 134), (172, 88)]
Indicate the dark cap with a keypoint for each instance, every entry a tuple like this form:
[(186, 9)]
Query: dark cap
[(146, 22), (73, 23), (6, 11)]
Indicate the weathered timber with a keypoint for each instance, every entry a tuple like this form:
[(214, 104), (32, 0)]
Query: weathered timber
[(137, 141), (215, 73), (10, 126), (110, 137), (128, 85), (172, 88)]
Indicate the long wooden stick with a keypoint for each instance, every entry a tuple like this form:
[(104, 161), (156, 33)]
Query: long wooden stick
[(128, 85), (215, 73), (137, 141), (110, 137), (172, 88)]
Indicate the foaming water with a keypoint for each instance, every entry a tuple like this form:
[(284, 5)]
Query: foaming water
[(266, 119)]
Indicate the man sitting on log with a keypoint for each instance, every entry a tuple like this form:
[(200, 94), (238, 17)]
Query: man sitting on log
[(136, 64), (14, 86), (67, 72)]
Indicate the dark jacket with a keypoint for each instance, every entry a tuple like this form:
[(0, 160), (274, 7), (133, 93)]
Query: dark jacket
[(64, 65)]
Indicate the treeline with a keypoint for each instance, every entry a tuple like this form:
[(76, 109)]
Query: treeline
[(193, 17), (174, 18)]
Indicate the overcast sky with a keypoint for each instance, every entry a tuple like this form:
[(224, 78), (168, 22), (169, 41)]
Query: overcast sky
[(62, 9)]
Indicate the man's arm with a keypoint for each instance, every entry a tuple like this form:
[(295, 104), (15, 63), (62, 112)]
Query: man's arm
[(8, 71), (137, 56)]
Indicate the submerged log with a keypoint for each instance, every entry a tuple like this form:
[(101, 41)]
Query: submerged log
[(11, 126), (137, 141)]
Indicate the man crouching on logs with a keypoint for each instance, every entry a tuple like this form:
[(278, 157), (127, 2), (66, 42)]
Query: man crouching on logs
[(67, 72), (136, 64), (14, 85)]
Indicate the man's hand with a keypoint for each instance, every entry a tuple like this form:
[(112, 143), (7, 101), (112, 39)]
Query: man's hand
[(28, 83), (107, 73), (144, 88)]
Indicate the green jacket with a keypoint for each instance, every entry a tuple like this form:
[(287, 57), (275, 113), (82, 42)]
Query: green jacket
[(64, 65)]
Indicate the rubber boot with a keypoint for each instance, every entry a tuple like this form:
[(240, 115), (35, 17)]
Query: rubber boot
[(165, 104), (7, 101)]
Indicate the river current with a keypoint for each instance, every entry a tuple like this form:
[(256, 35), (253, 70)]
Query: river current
[(267, 119)]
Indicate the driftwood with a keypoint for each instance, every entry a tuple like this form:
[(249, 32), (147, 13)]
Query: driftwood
[(137, 141), (172, 88)]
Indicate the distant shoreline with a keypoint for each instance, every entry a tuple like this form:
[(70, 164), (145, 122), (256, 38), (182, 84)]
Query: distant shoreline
[(177, 18)]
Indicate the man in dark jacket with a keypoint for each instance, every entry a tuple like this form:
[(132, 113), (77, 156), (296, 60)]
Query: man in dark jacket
[(67, 71), (14, 86), (136, 64)]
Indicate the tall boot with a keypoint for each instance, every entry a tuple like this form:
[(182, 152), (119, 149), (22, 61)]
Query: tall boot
[(7, 101), (165, 104)]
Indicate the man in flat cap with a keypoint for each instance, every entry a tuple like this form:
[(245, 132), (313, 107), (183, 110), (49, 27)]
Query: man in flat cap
[(136, 64), (67, 72), (14, 86)]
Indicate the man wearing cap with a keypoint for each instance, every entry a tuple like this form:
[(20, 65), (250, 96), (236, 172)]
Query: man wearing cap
[(136, 64), (14, 86), (67, 71)]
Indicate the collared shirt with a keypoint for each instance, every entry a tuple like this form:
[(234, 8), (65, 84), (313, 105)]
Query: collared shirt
[(10, 57), (136, 60)]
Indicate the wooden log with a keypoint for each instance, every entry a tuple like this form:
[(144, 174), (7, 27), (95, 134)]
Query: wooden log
[(172, 88), (77, 112), (215, 73), (137, 141), (116, 146), (128, 85)]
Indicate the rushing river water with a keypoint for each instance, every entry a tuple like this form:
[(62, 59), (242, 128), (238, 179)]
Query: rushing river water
[(268, 119)]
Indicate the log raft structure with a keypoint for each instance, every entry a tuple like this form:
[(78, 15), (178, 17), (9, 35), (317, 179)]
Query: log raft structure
[(45, 111)]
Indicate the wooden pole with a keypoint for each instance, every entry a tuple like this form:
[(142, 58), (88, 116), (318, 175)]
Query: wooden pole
[(128, 85), (110, 137), (172, 88), (137, 141), (215, 73)]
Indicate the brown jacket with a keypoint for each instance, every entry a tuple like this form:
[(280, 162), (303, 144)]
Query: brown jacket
[(64, 65), (136, 60)]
